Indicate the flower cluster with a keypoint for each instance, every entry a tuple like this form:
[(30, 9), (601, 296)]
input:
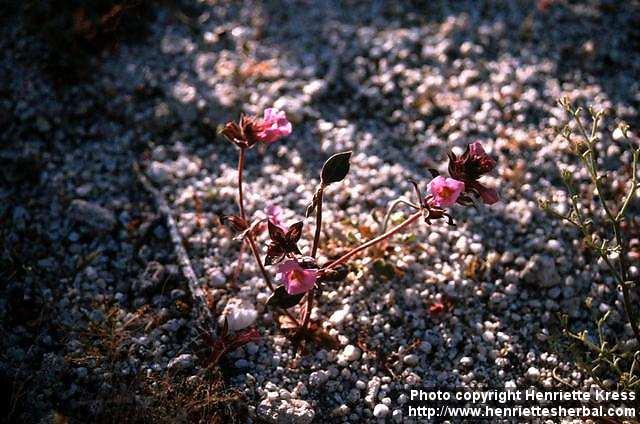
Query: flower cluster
[(468, 168), (250, 130), (300, 274)]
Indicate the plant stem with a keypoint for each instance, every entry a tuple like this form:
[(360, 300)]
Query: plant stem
[(622, 271), (314, 252), (316, 237), (252, 243), (256, 255), (376, 240), (626, 297), (634, 186), (240, 196), (392, 207)]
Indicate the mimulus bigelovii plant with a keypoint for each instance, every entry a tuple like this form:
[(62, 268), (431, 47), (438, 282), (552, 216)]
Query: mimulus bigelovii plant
[(299, 276)]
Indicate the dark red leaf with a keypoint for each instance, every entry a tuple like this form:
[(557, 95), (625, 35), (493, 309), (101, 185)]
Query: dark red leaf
[(236, 222), (225, 328), (294, 232), (336, 168), (280, 298), (276, 234), (274, 254)]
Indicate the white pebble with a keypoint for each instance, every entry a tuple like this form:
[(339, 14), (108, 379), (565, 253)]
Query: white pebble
[(349, 354), (411, 360), (381, 410), (533, 374)]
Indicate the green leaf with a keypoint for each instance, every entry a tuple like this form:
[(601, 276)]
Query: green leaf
[(281, 298), (336, 168)]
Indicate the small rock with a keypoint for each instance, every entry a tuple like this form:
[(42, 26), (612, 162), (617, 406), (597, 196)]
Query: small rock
[(242, 363), (411, 360), (541, 271), (426, 347), (160, 173), (318, 378), (533, 374), (315, 87), (286, 411), (182, 362), (511, 289), (94, 217), (293, 107), (177, 294), (372, 390), (240, 314), (466, 361), (488, 336), (164, 119), (349, 354), (338, 316), (381, 410)]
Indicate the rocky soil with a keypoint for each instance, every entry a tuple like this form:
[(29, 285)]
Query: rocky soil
[(96, 314)]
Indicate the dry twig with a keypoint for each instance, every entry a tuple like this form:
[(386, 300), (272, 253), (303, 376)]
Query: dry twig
[(195, 286)]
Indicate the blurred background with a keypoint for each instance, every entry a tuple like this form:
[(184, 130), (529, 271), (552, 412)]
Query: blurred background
[(97, 320)]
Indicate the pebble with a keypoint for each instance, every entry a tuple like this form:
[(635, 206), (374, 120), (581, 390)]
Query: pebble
[(339, 315), (541, 270), (511, 289), (182, 362), (349, 354), (381, 410), (466, 361), (94, 217), (286, 411), (407, 90), (318, 378), (411, 360), (160, 173), (489, 336), (533, 374), (239, 313)]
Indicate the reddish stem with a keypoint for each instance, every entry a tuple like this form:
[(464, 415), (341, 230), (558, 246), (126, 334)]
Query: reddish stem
[(314, 251), (252, 243), (376, 240), (240, 196)]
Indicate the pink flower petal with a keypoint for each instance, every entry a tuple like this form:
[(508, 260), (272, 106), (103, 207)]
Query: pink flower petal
[(296, 279), (445, 191), (274, 214), (274, 125)]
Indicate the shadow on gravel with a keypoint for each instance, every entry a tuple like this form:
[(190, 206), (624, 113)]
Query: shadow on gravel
[(390, 68)]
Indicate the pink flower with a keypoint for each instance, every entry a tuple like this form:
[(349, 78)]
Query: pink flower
[(445, 191), (273, 126), (473, 164), (296, 279), (275, 215)]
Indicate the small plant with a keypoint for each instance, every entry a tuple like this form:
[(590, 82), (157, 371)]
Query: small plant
[(299, 275), (603, 232)]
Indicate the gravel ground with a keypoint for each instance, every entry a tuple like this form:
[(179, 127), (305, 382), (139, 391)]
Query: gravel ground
[(93, 294)]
